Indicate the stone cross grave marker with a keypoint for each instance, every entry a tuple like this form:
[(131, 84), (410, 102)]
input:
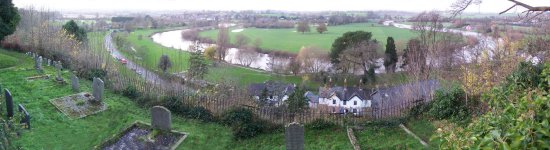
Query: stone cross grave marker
[(9, 103), (161, 118), (294, 136), (98, 87), (75, 84)]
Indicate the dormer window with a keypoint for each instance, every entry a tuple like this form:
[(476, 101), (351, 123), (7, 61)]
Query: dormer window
[(345, 102), (333, 101), (354, 102)]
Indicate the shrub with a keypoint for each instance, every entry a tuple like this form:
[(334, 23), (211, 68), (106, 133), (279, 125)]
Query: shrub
[(320, 124), (419, 109), (248, 130), (131, 92), (98, 73), (449, 103), (200, 113), (237, 116)]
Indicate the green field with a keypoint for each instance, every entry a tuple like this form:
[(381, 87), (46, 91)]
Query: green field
[(7, 61), (290, 41), (223, 72), (386, 138)]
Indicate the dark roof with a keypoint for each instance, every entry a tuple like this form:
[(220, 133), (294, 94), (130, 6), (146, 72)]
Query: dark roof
[(391, 96), (273, 88), (312, 97), (344, 93)]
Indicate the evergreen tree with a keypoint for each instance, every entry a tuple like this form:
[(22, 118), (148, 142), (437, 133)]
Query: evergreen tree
[(262, 100), (198, 66), (165, 63), (391, 55), (72, 28), (297, 101), (9, 18)]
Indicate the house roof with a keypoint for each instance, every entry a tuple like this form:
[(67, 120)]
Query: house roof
[(391, 96), (311, 97), (344, 93), (273, 88)]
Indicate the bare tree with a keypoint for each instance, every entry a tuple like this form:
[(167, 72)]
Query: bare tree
[(322, 28), (191, 34), (241, 40), (312, 59), (532, 11), (222, 43), (303, 27), (246, 56), (360, 56)]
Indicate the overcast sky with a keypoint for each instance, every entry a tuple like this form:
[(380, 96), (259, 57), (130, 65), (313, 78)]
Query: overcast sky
[(491, 6)]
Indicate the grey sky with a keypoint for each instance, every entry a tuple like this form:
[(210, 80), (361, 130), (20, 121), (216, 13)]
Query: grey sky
[(292, 5)]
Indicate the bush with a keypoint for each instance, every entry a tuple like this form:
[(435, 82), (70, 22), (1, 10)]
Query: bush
[(449, 104), (419, 109), (131, 92), (237, 116), (199, 113), (97, 73), (248, 130), (320, 124)]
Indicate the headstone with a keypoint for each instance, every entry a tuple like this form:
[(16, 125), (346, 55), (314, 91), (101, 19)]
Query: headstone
[(294, 136), (49, 62), (161, 118), (25, 118), (58, 67), (97, 87), (9, 103), (75, 84)]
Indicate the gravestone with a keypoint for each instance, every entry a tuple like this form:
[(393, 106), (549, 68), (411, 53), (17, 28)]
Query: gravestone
[(49, 62), (161, 118), (75, 84), (294, 136), (58, 67), (25, 118), (98, 87), (38, 64), (9, 103)]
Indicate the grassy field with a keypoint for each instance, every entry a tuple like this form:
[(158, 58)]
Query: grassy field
[(152, 52), (336, 138), (386, 138), (7, 61), (290, 41)]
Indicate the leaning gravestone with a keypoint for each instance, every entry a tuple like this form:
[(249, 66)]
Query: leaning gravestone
[(9, 103), (25, 118), (75, 84), (58, 67), (98, 87), (294, 136), (161, 118)]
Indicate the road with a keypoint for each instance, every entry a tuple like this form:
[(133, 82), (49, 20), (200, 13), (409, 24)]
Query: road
[(149, 76)]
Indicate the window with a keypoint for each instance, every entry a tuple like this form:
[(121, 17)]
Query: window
[(345, 102), (333, 101), (354, 102), (354, 110)]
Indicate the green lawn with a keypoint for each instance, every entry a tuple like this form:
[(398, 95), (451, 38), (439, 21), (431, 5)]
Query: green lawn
[(379, 137), (423, 128), (289, 40), (152, 52), (52, 130), (336, 138), (7, 61)]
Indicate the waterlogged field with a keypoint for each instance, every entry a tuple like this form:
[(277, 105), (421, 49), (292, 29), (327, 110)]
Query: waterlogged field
[(152, 52), (290, 41)]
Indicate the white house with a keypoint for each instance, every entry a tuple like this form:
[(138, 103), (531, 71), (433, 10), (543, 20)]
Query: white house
[(275, 92), (345, 99)]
